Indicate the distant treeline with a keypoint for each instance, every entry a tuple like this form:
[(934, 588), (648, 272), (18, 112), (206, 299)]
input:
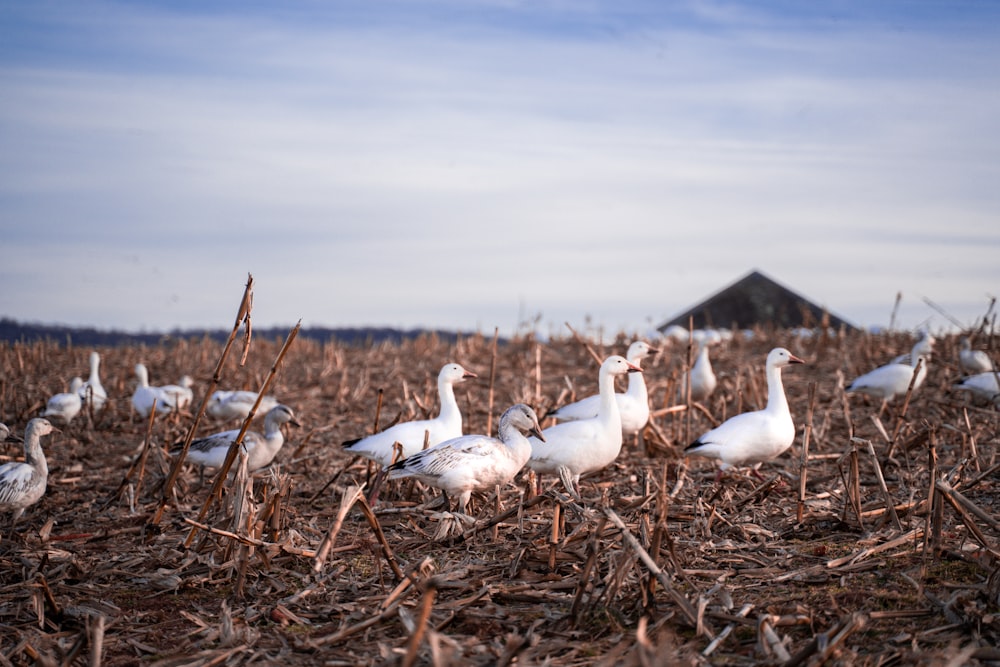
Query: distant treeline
[(12, 331)]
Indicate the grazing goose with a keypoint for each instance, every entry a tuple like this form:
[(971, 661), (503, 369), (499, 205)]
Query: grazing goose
[(575, 448), (23, 484), (410, 435), (92, 391), (237, 404), (145, 397), (973, 361), (474, 462), (982, 386), (65, 406), (753, 437), (633, 405), (261, 449), (887, 382), (701, 376), (179, 395)]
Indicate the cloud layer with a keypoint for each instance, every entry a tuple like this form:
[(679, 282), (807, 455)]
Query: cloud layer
[(472, 165)]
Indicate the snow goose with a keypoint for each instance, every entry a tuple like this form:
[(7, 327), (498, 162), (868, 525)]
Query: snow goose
[(926, 345), (23, 484), (753, 437), (973, 361), (471, 463), (575, 448), (5, 436), (237, 404), (982, 385), (887, 382), (410, 435), (633, 405), (92, 391), (65, 406), (261, 448), (145, 397), (179, 395), (701, 376)]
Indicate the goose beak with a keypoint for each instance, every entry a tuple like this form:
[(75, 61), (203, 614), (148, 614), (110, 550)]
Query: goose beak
[(468, 374), (632, 368), (792, 359)]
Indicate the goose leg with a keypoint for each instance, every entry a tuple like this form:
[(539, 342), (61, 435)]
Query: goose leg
[(567, 480), (376, 486)]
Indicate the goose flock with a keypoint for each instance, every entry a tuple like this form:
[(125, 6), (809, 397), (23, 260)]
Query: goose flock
[(586, 436)]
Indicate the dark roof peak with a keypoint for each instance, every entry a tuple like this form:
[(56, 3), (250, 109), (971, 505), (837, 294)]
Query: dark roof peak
[(756, 299)]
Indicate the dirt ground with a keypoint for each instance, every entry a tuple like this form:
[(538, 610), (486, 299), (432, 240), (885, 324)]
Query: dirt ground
[(818, 562)]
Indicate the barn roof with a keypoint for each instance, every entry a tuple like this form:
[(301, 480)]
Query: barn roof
[(756, 299)]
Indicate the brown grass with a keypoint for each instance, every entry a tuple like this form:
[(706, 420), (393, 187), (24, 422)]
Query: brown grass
[(880, 561)]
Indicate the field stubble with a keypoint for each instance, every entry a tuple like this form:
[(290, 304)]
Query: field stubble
[(659, 565)]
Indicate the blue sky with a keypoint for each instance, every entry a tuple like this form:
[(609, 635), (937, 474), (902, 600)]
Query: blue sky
[(471, 165)]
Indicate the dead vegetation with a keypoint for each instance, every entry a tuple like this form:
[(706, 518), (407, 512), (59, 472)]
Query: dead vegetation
[(875, 545)]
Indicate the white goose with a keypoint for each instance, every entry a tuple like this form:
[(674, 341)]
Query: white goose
[(701, 376), (926, 345), (23, 484), (5, 436), (145, 396), (633, 405), (65, 406), (982, 385), (753, 437), (973, 361), (410, 435), (92, 391), (180, 395), (572, 449), (237, 404), (474, 462), (261, 448), (887, 382)]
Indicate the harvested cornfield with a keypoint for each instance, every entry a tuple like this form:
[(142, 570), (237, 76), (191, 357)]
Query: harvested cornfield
[(873, 541)]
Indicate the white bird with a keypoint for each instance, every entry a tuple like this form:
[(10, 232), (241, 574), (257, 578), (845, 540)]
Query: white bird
[(65, 406), (145, 396), (5, 435), (92, 391), (633, 405), (474, 462), (926, 345), (410, 435), (981, 385), (572, 449), (973, 361), (753, 437), (261, 448), (701, 376), (23, 484), (887, 382), (237, 404), (180, 395)]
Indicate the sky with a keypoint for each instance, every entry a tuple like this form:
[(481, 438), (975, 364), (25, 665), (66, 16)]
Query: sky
[(476, 165)]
